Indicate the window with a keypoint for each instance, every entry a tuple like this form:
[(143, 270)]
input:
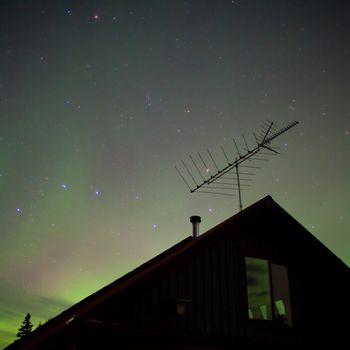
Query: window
[(182, 306), (268, 291)]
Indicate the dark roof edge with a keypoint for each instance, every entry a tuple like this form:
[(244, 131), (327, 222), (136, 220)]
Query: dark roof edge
[(60, 321), (314, 238), (64, 318)]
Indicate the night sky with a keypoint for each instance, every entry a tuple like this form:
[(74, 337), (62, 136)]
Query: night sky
[(99, 100)]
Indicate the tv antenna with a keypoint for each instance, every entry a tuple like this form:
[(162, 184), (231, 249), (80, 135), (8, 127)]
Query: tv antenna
[(204, 176)]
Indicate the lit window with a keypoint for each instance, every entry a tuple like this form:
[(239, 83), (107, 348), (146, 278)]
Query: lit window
[(268, 291), (182, 306)]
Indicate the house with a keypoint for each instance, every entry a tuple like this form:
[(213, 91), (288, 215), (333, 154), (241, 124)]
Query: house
[(259, 280)]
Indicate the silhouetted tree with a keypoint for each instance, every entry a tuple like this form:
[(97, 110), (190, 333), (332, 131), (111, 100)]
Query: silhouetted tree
[(25, 328)]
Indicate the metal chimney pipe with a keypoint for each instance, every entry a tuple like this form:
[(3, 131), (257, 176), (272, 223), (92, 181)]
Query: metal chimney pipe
[(195, 220)]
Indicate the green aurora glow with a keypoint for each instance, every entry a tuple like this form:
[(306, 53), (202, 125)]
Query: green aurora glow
[(95, 113)]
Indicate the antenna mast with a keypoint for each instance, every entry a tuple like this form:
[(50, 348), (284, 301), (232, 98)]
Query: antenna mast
[(216, 183)]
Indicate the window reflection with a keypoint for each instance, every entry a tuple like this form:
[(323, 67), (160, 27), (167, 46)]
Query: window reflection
[(258, 287), (280, 291)]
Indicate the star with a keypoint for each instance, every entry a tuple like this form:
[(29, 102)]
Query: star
[(64, 186)]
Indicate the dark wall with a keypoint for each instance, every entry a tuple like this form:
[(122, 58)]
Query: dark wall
[(205, 278)]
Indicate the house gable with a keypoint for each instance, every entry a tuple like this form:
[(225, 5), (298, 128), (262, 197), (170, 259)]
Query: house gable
[(205, 279)]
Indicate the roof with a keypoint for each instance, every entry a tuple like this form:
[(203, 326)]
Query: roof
[(59, 322)]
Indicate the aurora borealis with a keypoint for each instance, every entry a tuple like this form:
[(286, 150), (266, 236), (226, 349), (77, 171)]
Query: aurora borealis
[(99, 100)]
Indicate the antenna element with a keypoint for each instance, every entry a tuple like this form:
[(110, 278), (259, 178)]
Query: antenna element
[(208, 181)]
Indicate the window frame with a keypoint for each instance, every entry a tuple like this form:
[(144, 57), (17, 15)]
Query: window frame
[(274, 320)]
